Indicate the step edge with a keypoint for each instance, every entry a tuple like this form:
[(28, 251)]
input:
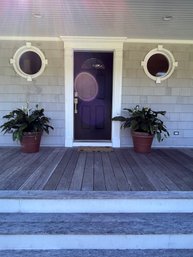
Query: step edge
[(62, 195), (97, 242)]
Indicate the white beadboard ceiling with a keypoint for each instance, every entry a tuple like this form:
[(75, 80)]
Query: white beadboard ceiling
[(138, 19)]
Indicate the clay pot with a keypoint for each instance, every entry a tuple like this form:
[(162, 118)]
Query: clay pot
[(30, 142), (142, 141)]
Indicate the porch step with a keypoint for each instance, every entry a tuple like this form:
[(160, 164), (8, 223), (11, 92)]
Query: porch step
[(99, 253), (32, 231), (95, 202)]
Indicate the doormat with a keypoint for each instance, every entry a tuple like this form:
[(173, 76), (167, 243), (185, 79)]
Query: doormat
[(95, 149)]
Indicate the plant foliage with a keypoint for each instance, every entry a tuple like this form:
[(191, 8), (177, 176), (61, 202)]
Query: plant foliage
[(144, 120), (20, 121)]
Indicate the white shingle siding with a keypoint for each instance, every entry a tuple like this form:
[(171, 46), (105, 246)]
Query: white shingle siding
[(47, 90), (174, 95)]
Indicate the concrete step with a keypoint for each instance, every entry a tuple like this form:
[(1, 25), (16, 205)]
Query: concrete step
[(95, 202), (96, 231), (98, 253)]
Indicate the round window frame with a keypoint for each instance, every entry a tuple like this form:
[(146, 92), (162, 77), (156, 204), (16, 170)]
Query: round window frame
[(15, 61), (171, 61)]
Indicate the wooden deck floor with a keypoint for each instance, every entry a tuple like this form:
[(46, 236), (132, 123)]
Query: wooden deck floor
[(119, 170)]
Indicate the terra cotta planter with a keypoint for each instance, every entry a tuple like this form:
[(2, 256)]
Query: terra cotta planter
[(142, 141), (30, 142)]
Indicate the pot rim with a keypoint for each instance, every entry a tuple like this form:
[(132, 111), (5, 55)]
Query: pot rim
[(32, 133), (142, 133)]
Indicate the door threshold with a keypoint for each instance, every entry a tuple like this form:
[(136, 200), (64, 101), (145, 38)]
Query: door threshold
[(92, 143)]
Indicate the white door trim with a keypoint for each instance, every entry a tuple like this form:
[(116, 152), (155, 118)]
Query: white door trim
[(96, 44)]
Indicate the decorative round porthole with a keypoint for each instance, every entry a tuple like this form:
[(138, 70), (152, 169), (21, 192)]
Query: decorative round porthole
[(159, 64), (29, 62)]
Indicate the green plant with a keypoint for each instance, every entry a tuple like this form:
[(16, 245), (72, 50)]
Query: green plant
[(21, 121), (144, 120)]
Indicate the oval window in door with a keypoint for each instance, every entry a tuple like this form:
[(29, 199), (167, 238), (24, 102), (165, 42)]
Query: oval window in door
[(86, 86)]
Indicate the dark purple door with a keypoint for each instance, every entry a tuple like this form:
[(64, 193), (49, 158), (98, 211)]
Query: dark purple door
[(92, 95)]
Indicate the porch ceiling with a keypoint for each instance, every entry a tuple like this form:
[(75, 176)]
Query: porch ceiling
[(112, 18)]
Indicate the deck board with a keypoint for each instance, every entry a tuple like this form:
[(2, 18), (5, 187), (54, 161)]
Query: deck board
[(78, 174), (160, 174), (171, 170), (181, 158), (55, 168), (150, 171), (110, 180), (185, 174), (46, 170), (65, 181), (170, 173), (56, 176), (23, 172), (119, 174), (88, 179), (132, 180), (99, 181), (142, 177)]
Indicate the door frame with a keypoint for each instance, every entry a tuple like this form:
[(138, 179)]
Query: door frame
[(99, 44)]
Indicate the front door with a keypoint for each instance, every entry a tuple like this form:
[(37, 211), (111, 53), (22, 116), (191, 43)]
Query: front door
[(92, 95)]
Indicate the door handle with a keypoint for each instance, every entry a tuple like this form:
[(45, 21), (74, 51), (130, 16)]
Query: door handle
[(75, 105), (76, 102)]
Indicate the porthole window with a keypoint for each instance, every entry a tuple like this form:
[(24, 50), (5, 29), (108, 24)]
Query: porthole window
[(29, 62), (159, 64)]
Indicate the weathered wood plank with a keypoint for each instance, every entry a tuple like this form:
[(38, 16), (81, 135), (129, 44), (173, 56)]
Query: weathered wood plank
[(168, 172), (186, 151), (88, 179), (160, 174), (171, 170), (129, 174), (66, 178), (59, 171), (99, 180), (12, 160), (97, 253), (185, 174), (10, 178), (122, 169), (142, 178), (77, 178), (119, 174), (181, 158), (21, 173), (47, 170), (39, 176), (6, 151), (149, 171), (110, 180)]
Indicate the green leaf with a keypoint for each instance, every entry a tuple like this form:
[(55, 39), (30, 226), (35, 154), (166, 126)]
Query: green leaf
[(144, 120)]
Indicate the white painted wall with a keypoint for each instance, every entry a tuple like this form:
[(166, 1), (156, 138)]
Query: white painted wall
[(174, 95)]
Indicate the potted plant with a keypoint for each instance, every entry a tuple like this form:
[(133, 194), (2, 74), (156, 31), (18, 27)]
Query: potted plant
[(145, 124), (27, 126)]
